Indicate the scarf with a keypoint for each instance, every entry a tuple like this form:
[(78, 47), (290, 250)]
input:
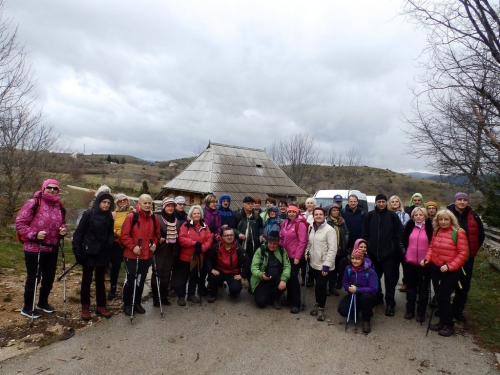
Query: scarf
[(171, 223)]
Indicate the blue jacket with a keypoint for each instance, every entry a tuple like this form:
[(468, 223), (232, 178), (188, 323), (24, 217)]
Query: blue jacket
[(366, 284), (226, 214)]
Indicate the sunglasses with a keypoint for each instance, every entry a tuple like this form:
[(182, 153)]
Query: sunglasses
[(55, 188)]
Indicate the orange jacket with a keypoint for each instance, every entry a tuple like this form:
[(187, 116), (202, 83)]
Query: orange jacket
[(443, 249)]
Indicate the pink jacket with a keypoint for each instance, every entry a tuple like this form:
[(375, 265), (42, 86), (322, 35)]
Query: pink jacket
[(48, 218), (293, 237)]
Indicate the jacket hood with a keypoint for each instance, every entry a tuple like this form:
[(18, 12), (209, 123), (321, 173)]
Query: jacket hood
[(275, 209), (102, 196), (222, 197), (357, 242), (417, 195)]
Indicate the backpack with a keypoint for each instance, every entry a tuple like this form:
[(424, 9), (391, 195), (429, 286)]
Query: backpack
[(135, 220), (454, 236), (301, 221), (367, 276), (35, 209)]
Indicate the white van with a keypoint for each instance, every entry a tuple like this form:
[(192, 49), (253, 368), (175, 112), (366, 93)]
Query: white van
[(371, 202), (325, 197)]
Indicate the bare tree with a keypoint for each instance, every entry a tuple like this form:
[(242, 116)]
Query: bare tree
[(24, 140), (349, 175), (296, 155), (456, 113)]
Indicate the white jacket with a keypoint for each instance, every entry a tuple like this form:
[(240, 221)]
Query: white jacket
[(322, 247)]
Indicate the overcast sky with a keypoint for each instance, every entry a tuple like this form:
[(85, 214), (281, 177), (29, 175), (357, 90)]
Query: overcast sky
[(157, 79)]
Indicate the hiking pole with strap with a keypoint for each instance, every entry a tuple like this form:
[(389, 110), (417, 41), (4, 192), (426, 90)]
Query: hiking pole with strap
[(36, 284), (303, 305), (64, 281), (355, 315), (139, 243), (349, 313), (157, 283)]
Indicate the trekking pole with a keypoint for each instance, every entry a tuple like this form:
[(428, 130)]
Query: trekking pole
[(64, 281), (303, 305), (36, 284), (157, 283), (67, 271), (355, 315), (432, 313), (349, 313), (139, 243)]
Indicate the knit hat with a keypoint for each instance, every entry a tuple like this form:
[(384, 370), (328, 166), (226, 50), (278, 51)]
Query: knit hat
[(274, 209), (119, 197), (380, 196), (102, 188), (357, 254), (460, 195), (179, 199), (166, 201), (337, 198), (293, 208), (48, 182), (431, 203), (248, 200)]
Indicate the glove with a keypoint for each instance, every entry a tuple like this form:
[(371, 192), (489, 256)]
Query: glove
[(81, 259), (197, 248)]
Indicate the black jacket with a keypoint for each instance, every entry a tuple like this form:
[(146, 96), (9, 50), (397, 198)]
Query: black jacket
[(354, 221), (382, 229), (210, 261)]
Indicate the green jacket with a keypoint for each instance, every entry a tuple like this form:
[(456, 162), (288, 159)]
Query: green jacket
[(255, 227), (259, 267)]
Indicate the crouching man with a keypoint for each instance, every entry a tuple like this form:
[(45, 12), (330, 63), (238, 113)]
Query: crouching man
[(226, 261), (270, 271)]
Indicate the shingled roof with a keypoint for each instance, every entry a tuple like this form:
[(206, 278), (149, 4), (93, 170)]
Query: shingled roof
[(237, 171)]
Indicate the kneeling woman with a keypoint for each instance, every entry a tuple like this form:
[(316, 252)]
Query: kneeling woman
[(321, 250), (447, 253), (361, 281), (92, 246)]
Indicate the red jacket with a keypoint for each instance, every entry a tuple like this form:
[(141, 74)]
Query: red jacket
[(189, 234), (143, 229), (443, 250)]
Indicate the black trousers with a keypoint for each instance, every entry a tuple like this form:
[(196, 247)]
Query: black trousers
[(100, 289), (46, 273), (116, 263), (320, 282), (128, 287), (446, 281), (214, 281), (303, 270), (365, 302), (180, 276), (164, 258), (389, 269), (461, 293), (335, 276), (267, 291), (293, 285), (418, 280)]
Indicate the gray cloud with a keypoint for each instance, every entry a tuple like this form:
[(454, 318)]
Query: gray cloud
[(158, 79)]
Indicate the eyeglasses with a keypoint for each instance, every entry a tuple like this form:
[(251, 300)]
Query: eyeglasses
[(181, 204), (55, 188), (122, 200)]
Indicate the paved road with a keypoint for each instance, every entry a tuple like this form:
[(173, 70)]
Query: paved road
[(230, 337)]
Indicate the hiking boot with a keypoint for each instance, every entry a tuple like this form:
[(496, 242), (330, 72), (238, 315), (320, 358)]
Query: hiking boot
[(30, 313), (211, 299), (409, 315), (277, 305), (45, 307), (139, 309), (459, 317), (437, 327), (193, 299), (389, 311), (127, 310), (321, 315), (295, 310), (402, 289), (86, 312), (112, 293), (446, 331), (366, 326), (314, 311), (103, 311), (181, 301)]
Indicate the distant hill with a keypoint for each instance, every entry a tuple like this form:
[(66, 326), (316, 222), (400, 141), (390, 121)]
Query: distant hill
[(452, 180)]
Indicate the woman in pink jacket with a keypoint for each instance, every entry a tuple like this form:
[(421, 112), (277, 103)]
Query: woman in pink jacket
[(293, 237), (41, 224), (447, 254)]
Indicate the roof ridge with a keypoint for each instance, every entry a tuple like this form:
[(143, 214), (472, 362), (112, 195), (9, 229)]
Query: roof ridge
[(240, 147)]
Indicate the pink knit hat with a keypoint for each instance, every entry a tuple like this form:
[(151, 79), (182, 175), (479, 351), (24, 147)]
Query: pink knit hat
[(48, 182)]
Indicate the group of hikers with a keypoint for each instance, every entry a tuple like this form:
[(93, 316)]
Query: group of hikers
[(263, 248)]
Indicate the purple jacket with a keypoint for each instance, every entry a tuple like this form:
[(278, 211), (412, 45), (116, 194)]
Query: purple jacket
[(49, 218), (294, 241), (212, 220), (366, 285)]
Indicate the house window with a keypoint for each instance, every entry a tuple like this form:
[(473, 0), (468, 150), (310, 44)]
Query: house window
[(258, 165)]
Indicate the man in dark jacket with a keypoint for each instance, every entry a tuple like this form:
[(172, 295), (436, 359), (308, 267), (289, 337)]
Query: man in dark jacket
[(473, 226), (248, 227), (227, 217), (382, 229), (354, 217), (226, 262)]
